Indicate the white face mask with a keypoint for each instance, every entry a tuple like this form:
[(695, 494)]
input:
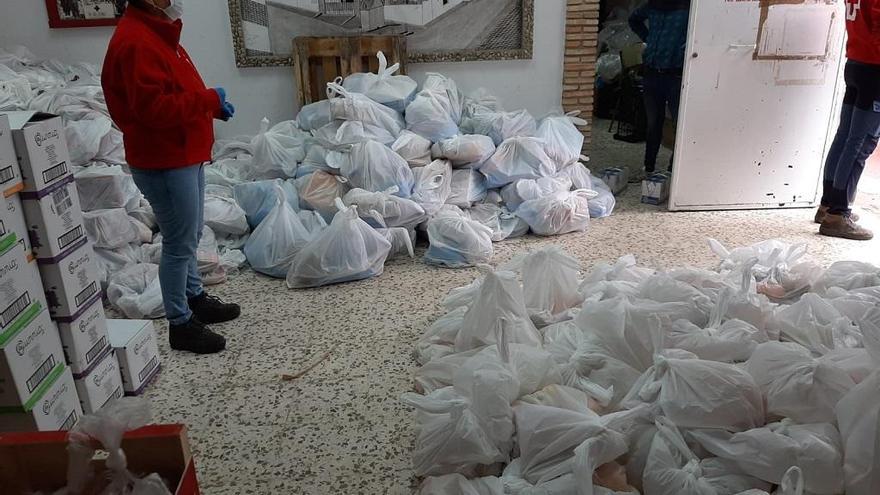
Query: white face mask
[(174, 11)]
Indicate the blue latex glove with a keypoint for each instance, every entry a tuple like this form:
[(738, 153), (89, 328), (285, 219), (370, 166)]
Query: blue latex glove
[(227, 112), (222, 94)]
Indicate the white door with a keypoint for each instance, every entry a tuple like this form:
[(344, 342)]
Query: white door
[(758, 103)]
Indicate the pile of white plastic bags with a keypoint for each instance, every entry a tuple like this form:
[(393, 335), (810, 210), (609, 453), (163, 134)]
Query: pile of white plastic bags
[(760, 376)]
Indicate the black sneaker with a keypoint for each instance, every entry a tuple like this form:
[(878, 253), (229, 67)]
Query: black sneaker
[(211, 310), (194, 336)]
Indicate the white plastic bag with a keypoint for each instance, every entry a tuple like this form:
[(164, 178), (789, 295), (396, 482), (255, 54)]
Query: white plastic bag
[(767, 453), (501, 126), (224, 216), (278, 150), (517, 158), (84, 138), (523, 190), (135, 291), (603, 204), (413, 148), (580, 176), (701, 394), (110, 229), (374, 167), (456, 484), (103, 187), (342, 133), (395, 211), (769, 254), (796, 385), (848, 275), (558, 214), (428, 116), (499, 306), (257, 199), (106, 428), (502, 223), (395, 92), (272, 246), (314, 115), (673, 469), (468, 187), (319, 192), (360, 108), (810, 322), (401, 241), (458, 242), (110, 261), (450, 438), (347, 250), (564, 141), (433, 185), (467, 150), (550, 283)]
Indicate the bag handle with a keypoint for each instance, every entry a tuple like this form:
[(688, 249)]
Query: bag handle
[(792, 482), (720, 308), (384, 70), (574, 119), (335, 89)]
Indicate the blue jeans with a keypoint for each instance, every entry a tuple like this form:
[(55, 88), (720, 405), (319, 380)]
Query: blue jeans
[(856, 138), (662, 91), (178, 200)]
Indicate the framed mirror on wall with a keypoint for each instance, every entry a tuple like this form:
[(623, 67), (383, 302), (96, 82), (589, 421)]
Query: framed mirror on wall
[(84, 13), (436, 30)]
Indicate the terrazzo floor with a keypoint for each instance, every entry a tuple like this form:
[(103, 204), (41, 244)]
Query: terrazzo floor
[(340, 428)]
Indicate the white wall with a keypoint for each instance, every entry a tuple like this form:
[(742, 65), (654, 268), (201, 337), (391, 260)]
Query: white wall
[(533, 84)]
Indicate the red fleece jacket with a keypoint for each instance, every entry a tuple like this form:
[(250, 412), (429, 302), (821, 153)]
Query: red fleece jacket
[(156, 96), (863, 28)]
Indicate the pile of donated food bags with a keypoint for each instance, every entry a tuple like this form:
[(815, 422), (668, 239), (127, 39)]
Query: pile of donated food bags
[(331, 196), (762, 376)]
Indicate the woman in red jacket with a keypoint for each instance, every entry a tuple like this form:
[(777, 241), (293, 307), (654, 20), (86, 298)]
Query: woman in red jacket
[(859, 129), (157, 98)]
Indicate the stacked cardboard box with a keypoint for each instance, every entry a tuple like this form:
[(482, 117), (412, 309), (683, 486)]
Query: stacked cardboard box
[(63, 263), (136, 348)]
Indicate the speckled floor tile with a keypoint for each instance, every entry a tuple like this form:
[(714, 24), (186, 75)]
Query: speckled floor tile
[(340, 429)]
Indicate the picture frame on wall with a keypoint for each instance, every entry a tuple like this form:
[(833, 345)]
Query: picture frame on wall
[(84, 13), (436, 30)]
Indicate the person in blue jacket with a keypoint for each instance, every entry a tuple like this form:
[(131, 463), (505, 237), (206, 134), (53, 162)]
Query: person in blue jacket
[(663, 26)]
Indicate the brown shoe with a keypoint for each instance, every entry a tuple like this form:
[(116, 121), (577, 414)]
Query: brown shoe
[(845, 227), (823, 210)]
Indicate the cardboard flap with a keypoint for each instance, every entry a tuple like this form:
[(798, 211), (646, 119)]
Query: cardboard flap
[(17, 120)]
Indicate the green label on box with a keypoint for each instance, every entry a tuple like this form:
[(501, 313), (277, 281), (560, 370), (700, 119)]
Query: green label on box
[(20, 323), (7, 241), (38, 394)]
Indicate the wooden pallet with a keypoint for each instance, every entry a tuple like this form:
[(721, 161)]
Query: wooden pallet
[(319, 60)]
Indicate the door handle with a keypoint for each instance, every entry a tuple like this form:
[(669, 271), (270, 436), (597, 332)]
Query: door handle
[(742, 47)]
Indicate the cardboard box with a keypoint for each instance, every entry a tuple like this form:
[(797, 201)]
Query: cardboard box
[(71, 282), (12, 220), (101, 385), (137, 351), (10, 172), (30, 352), (57, 408), (41, 148), (37, 462), (18, 287), (54, 220), (655, 189), (615, 178), (85, 338)]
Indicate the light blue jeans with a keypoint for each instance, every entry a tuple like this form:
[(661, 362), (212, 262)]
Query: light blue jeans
[(178, 200)]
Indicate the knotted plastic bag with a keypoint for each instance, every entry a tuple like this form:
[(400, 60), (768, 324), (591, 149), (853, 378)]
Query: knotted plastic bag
[(564, 142), (278, 151), (347, 250), (560, 213), (467, 150), (517, 158), (394, 211), (550, 282), (273, 245), (135, 291), (523, 190), (468, 187), (359, 108), (374, 167), (458, 242), (433, 185), (257, 199), (395, 92)]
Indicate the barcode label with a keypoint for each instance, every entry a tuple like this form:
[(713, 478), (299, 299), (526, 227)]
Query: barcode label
[(16, 308), (148, 368), (42, 372), (6, 175), (70, 237), (70, 421), (86, 294), (62, 200), (115, 395), (54, 172), (96, 350)]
